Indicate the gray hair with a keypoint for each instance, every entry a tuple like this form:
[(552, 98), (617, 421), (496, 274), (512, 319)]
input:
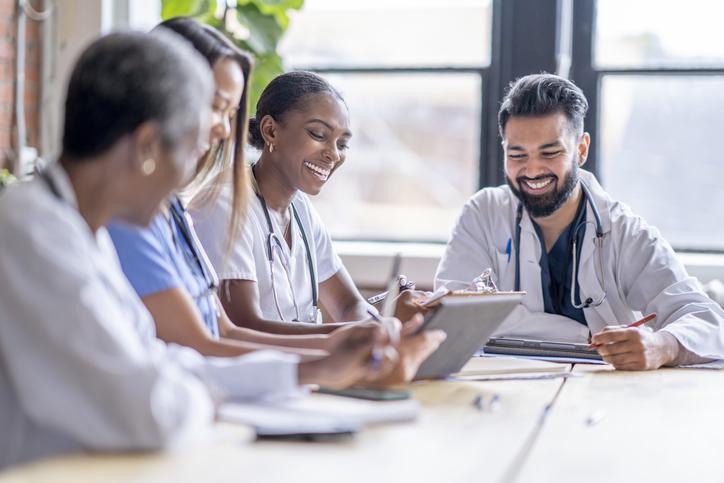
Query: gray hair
[(125, 79)]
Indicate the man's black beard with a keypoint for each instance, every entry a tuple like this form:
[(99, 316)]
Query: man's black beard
[(547, 204)]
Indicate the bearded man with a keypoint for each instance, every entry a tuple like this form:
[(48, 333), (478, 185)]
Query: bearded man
[(588, 265)]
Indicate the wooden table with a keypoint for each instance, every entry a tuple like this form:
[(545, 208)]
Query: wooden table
[(666, 425)]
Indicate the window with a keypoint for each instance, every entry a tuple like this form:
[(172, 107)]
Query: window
[(658, 140), (423, 80), (654, 71), (413, 75), (659, 33)]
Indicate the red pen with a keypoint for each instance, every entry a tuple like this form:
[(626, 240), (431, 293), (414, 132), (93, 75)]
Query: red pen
[(638, 323)]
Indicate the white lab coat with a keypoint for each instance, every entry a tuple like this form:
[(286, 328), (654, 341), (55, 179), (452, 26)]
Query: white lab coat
[(80, 366), (642, 273)]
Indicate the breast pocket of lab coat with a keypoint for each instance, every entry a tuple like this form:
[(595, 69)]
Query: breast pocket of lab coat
[(504, 271)]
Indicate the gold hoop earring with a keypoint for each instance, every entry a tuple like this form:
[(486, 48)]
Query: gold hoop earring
[(148, 166), (271, 147)]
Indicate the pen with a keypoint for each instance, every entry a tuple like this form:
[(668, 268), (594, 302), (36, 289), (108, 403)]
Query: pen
[(393, 288), (638, 323), (376, 357), (404, 285), (646, 319), (508, 248)]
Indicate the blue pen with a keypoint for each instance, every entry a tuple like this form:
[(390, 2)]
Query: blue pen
[(508, 248)]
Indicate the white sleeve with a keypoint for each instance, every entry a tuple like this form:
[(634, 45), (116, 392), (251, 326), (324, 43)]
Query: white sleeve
[(653, 279), (76, 363), (328, 262), (466, 254)]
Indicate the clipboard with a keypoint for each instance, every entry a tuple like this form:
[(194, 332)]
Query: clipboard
[(469, 320), (437, 296)]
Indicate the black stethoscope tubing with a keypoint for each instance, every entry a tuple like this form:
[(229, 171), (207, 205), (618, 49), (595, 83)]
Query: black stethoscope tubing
[(599, 236), (310, 262), (189, 239)]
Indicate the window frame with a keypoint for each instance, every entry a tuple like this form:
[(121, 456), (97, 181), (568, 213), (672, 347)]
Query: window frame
[(590, 78)]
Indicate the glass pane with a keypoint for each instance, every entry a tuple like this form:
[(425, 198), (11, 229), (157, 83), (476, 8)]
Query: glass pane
[(660, 154), (413, 159), (659, 33), (387, 33)]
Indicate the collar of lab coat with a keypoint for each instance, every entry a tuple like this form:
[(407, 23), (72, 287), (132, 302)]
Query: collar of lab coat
[(60, 179), (530, 249)]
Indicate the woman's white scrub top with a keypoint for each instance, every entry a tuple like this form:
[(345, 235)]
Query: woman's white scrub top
[(248, 258)]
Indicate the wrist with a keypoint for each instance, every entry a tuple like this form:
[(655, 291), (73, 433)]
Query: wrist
[(669, 348), (310, 372)]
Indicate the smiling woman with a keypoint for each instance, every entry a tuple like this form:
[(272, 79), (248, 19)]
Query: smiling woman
[(285, 267)]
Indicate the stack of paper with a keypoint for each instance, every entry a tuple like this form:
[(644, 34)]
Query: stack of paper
[(318, 413)]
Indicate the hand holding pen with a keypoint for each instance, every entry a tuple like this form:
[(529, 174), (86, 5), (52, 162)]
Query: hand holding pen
[(393, 332), (638, 323), (630, 348)]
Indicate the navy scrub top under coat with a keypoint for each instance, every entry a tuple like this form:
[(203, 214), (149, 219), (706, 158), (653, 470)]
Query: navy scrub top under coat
[(556, 268)]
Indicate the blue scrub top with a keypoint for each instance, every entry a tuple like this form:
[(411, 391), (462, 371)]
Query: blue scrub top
[(158, 258), (556, 269)]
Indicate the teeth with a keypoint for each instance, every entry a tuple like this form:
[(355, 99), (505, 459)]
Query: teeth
[(536, 185), (321, 172)]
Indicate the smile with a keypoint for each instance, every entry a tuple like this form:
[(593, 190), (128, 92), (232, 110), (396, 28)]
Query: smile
[(538, 185), (320, 172)]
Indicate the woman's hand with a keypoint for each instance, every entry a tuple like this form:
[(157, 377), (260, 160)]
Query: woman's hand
[(339, 336), (406, 305), (360, 352), (412, 349)]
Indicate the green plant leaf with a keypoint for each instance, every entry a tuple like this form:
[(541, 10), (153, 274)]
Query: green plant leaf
[(278, 9), (267, 67), (264, 30), (266, 22), (208, 8), (176, 8)]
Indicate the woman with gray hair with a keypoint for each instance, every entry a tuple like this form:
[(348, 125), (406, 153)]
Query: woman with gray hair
[(80, 365)]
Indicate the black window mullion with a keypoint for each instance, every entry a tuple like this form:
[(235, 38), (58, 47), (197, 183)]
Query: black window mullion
[(585, 75)]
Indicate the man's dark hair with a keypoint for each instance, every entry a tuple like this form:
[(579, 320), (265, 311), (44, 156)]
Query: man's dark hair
[(285, 93), (541, 95), (125, 79)]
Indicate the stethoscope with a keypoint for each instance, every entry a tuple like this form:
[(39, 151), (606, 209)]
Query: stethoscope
[(598, 242), (198, 257), (274, 243)]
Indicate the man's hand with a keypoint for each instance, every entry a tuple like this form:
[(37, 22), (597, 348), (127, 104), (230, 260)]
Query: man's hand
[(636, 348)]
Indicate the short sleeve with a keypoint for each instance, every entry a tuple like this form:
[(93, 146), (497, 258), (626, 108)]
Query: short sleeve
[(211, 222), (328, 262), (144, 256), (240, 264)]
